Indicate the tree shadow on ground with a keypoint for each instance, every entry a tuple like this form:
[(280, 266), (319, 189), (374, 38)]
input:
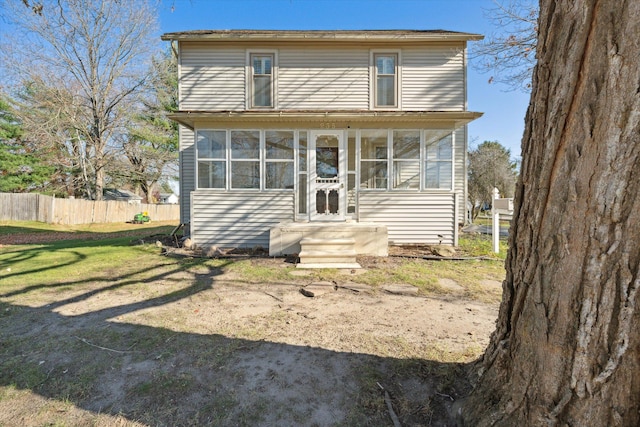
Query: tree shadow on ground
[(164, 377)]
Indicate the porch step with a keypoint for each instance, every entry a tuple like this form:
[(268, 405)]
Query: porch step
[(327, 253)]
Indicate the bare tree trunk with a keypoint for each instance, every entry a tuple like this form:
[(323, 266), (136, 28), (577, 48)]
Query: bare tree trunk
[(99, 181), (566, 350)]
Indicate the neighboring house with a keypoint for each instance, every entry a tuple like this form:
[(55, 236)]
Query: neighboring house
[(122, 196), (168, 198), (286, 131)]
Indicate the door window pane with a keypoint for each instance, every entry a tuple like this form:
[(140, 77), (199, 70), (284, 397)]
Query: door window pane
[(327, 162)]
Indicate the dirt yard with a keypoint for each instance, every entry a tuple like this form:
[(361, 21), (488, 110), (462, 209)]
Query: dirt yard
[(202, 346)]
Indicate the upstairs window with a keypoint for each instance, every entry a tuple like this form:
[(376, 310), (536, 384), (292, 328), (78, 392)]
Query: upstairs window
[(262, 80), (385, 80)]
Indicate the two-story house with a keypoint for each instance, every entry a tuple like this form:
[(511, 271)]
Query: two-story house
[(287, 134)]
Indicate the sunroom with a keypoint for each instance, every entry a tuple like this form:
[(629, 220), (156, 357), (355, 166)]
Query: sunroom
[(327, 169), (256, 176)]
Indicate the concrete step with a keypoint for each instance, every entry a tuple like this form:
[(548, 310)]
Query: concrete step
[(327, 253)]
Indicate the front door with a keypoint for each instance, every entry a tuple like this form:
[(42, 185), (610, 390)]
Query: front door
[(327, 167)]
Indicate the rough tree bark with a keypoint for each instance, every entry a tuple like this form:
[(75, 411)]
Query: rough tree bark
[(566, 350)]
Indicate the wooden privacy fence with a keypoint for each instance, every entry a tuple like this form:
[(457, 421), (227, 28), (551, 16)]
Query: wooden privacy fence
[(38, 207)]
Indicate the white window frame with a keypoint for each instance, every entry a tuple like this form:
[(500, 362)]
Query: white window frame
[(249, 86), (262, 159), (395, 161), (370, 159), (266, 160), (259, 160), (425, 160), (299, 172), (224, 159), (373, 79)]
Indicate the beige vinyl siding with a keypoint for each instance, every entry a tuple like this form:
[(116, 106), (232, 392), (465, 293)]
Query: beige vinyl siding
[(433, 78), (238, 219), (323, 79), (411, 217), (187, 171), (211, 79)]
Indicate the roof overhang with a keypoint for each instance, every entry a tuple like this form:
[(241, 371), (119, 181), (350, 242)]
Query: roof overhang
[(322, 35), (342, 119)]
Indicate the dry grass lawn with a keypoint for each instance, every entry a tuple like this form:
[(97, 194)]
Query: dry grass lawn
[(102, 332)]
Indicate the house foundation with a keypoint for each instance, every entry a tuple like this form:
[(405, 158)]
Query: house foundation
[(368, 238)]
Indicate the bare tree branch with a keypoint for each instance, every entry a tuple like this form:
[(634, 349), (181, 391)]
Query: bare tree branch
[(509, 54), (97, 53)]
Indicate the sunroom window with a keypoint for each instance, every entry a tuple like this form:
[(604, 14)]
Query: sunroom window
[(245, 159), (406, 159), (212, 165), (438, 160), (302, 172), (279, 161), (373, 159)]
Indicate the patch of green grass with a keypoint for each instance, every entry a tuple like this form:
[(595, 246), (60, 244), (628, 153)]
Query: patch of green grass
[(482, 246), (22, 374), (163, 384), (218, 409), (27, 227), (71, 264)]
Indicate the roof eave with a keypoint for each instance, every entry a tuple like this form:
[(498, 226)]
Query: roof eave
[(310, 36), (457, 118)]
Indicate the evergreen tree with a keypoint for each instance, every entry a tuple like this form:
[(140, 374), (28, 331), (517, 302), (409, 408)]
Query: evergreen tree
[(20, 169)]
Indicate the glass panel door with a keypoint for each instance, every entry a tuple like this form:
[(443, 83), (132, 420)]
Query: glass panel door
[(327, 180)]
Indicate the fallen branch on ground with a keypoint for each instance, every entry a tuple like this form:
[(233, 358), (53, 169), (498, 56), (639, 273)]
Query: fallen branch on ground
[(392, 413), (275, 297), (451, 258), (444, 395), (100, 347)]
